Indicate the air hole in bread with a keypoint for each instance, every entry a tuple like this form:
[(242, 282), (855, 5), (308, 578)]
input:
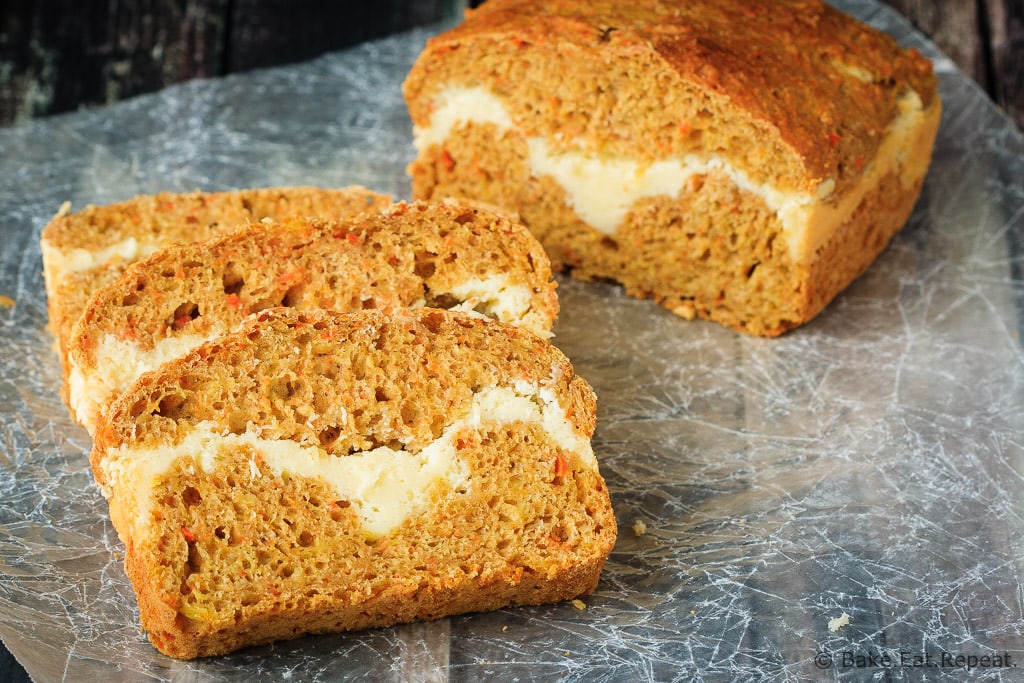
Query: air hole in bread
[(425, 267), (184, 314), (439, 300), (237, 422), (133, 298), (358, 367), (306, 539), (292, 297), (368, 303), (337, 510), (195, 559), (283, 387), (329, 435), (232, 279), (170, 406), (410, 413), (190, 496)]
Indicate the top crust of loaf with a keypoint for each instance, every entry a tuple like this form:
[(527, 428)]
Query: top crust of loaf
[(194, 216), (819, 87)]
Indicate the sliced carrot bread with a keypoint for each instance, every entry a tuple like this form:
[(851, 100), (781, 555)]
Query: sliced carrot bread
[(409, 255), (85, 250), (321, 471), (732, 160)]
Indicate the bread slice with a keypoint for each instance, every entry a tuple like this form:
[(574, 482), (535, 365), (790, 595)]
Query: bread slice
[(87, 249), (736, 161), (320, 471), (408, 256)]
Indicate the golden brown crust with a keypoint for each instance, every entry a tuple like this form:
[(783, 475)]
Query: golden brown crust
[(822, 84), (238, 555), (169, 218)]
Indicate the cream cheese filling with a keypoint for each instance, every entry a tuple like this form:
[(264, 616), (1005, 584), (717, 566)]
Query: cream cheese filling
[(118, 364), (384, 486), (495, 297), (603, 190), (78, 259)]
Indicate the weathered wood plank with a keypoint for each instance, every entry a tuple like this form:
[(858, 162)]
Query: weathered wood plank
[(985, 38), (268, 32), (1006, 46), (953, 25), (57, 55)]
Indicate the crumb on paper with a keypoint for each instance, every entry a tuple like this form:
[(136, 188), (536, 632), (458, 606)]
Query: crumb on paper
[(686, 310), (639, 528), (504, 628), (64, 210), (835, 624), (579, 604)]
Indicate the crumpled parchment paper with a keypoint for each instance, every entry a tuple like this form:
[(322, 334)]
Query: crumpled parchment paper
[(869, 464)]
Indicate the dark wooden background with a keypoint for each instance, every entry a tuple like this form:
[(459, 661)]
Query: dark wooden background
[(58, 55)]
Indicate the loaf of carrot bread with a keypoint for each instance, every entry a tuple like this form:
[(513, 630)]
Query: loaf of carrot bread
[(407, 256), (320, 471), (84, 250), (733, 160)]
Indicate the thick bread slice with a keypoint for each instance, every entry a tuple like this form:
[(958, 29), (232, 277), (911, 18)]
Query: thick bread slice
[(87, 249), (732, 160), (439, 255), (321, 471)]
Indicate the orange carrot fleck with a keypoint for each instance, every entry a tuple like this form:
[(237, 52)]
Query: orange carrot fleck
[(561, 468)]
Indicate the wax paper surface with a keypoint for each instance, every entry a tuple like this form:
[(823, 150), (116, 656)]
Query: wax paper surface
[(869, 464)]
